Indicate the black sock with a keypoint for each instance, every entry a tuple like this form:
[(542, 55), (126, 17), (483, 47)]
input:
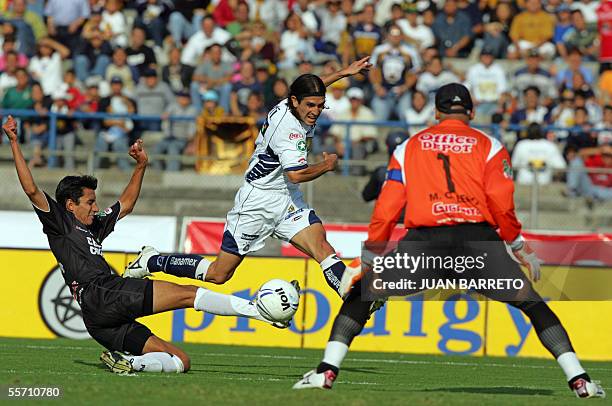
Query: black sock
[(323, 366), (182, 265)]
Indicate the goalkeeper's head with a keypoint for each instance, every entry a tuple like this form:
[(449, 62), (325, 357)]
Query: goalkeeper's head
[(307, 98)]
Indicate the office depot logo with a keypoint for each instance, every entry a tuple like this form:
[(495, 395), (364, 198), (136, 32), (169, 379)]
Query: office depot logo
[(453, 143)]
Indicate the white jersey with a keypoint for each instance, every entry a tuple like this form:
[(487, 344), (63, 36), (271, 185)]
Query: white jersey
[(280, 147)]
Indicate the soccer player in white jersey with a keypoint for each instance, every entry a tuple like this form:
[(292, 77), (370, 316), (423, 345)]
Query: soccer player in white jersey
[(270, 202)]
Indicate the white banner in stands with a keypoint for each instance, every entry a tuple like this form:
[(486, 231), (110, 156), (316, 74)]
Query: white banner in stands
[(21, 229)]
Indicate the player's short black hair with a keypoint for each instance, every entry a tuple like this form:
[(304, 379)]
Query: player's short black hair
[(307, 85), (71, 187)]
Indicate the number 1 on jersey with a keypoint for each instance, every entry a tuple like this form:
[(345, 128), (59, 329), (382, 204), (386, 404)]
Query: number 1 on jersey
[(446, 164)]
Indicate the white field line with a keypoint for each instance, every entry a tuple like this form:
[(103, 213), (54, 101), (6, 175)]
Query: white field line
[(165, 376), (370, 360)]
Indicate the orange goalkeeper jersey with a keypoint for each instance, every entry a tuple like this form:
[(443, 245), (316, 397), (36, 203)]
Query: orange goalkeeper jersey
[(447, 174)]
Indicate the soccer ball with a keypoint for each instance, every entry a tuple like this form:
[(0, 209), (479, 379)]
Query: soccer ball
[(277, 300)]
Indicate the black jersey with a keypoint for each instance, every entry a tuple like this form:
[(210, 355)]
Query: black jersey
[(77, 247)]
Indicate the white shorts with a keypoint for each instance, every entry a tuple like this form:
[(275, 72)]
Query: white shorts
[(258, 214)]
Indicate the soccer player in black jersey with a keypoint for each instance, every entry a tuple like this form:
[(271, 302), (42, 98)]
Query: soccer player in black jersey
[(75, 228)]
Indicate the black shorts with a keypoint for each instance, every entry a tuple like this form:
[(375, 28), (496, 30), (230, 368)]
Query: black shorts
[(110, 307), (464, 240)]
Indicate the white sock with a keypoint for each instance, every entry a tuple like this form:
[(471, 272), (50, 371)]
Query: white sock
[(329, 261), (570, 365), (225, 305), (156, 362), (202, 269), (335, 351)]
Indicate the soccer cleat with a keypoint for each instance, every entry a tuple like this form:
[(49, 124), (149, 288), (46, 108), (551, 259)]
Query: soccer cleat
[(138, 268), (352, 274), (585, 389), (313, 380), (116, 363)]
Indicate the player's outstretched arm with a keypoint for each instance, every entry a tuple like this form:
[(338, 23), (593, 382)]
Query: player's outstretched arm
[(36, 196), (313, 171), (132, 190), (360, 66)]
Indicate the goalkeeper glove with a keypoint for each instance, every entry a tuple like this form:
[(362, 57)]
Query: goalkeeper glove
[(527, 257)]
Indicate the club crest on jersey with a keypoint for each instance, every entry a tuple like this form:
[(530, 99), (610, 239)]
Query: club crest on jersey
[(507, 169), (453, 143), (106, 212), (295, 136), (301, 145)]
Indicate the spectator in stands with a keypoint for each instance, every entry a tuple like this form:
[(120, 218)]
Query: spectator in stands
[(46, 65), (153, 97), (593, 186), (415, 32), (153, 15), (9, 46), (366, 35), (397, 14), (255, 107), (210, 106), (271, 12), (93, 56), (562, 115), (452, 29), (393, 75), (533, 75), (30, 26), (581, 134), (472, 9), (605, 137), (8, 77), (585, 97), (421, 113), (139, 55), (38, 126), (582, 37), (73, 87), (332, 25), (176, 74), (295, 43), (119, 68), (212, 74), (336, 100), (65, 19), (116, 131), (434, 77), (93, 25), (362, 137), (241, 19), (531, 111), (178, 133), (536, 154), (574, 65), (563, 25), (588, 8), (242, 88), (208, 35), (487, 83), (533, 28), (280, 91), (185, 20), (65, 128), (263, 76), (19, 96), (91, 101), (496, 34), (114, 20), (261, 43), (305, 9)]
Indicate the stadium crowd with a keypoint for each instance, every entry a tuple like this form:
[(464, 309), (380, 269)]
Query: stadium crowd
[(530, 64)]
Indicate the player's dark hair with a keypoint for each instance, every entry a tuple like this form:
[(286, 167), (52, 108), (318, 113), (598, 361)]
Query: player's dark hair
[(307, 85), (534, 131), (71, 187)]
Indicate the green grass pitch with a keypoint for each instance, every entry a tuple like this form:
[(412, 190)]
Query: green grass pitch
[(222, 375)]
